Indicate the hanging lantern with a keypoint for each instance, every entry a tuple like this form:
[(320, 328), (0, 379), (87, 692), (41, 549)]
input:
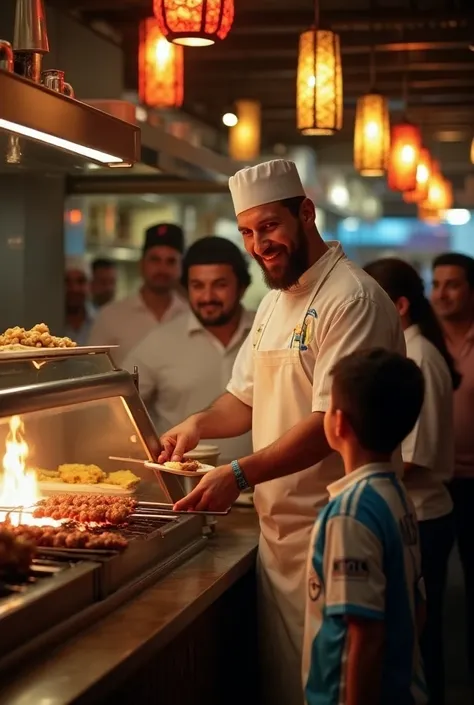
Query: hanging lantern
[(194, 23), (405, 148), (372, 135), (160, 68), (319, 83), (432, 216), (440, 191), (244, 137), (423, 173), (472, 151)]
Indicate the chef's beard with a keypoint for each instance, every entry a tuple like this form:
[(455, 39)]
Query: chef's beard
[(296, 265), (219, 319)]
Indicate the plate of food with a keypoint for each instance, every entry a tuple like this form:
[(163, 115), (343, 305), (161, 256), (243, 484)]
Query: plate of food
[(187, 468), (77, 477), (19, 342)]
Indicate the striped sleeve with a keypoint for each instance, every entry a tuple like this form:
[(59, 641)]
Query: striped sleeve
[(353, 569)]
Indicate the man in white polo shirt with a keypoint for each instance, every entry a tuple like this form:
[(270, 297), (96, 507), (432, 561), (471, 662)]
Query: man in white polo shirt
[(125, 323), (321, 308), (186, 363)]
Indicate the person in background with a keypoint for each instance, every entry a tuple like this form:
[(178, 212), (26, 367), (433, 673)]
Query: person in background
[(365, 593), (321, 306), (125, 323), (79, 316), (452, 297), (428, 451), (186, 363), (104, 282)]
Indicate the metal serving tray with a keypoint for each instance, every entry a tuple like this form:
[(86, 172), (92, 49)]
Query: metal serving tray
[(47, 603)]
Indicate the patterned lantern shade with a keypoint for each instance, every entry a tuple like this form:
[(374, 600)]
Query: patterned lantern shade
[(372, 135), (405, 151), (244, 137), (194, 23), (161, 68), (423, 173), (319, 83)]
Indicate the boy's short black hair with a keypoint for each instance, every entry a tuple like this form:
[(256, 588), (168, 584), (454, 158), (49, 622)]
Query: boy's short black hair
[(457, 259), (381, 393)]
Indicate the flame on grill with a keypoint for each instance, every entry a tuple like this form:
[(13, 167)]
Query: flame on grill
[(18, 485)]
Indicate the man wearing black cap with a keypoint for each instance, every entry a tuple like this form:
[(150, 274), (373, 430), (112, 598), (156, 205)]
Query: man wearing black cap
[(185, 363), (125, 323)]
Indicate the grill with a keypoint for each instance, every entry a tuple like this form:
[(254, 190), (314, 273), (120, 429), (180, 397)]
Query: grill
[(63, 582)]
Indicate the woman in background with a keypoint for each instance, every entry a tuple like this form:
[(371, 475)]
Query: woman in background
[(428, 452)]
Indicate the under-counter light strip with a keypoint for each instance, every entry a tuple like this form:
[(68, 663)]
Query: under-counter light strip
[(73, 147)]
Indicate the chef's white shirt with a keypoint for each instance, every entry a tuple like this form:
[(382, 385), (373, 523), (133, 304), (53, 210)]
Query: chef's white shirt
[(352, 313), (431, 443), (183, 368), (127, 322)]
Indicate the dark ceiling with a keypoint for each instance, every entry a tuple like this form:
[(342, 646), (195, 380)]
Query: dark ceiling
[(424, 43)]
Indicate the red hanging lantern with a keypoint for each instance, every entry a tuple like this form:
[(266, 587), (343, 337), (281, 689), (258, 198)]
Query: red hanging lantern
[(160, 68), (405, 151), (423, 175), (194, 23)]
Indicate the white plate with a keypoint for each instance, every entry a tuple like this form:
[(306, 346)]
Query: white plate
[(184, 473), (99, 488)]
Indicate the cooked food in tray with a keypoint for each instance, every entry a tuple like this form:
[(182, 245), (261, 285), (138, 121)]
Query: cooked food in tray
[(16, 553), (86, 509), (79, 474), (57, 537), (39, 336), (186, 466)]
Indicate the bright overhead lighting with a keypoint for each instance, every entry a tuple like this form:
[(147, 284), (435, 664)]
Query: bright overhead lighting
[(68, 146), (230, 119), (457, 216), (339, 196)]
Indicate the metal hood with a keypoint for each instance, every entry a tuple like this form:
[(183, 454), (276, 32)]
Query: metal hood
[(60, 132)]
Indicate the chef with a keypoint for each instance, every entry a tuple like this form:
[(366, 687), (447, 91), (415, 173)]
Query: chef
[(321, 307), (125, 323)]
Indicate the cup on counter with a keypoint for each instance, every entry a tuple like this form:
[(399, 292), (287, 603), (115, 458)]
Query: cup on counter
[(54, 80), (6, 56)]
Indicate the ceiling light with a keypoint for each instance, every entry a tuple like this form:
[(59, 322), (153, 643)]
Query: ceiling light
[(194, 23), (339, 195), (44, 137), (319, 105), (405, 152), (230, 119), (423, 173), (457, 216), (160, 68), (371, 135), (244, 138)]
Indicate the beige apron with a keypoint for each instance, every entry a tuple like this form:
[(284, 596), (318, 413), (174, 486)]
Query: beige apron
[(287, 508)]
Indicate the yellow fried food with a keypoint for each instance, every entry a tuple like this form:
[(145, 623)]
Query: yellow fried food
[(123, 478), (37, 337), (77, 474), (46, 475)]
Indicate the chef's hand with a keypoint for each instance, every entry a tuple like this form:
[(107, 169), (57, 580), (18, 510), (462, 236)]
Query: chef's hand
[(179, 440), (216, 492)]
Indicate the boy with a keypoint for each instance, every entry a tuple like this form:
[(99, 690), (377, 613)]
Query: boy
[(365, 592)]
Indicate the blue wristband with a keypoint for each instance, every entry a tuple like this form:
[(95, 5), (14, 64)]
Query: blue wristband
[(240, 478)]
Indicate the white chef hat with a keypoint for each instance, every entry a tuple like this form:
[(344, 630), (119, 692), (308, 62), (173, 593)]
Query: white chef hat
[(77, 263), (265, 183)]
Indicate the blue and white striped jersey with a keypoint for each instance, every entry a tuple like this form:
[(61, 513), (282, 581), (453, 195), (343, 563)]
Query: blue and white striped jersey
[(364, 561)]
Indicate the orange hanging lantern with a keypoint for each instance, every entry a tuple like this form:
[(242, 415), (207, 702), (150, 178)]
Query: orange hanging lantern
[(371, 135), (319, 97), (423, 174), (440, 192), (405, 151), (194, 23), (160, 67)]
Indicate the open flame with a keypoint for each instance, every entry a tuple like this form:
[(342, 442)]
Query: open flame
[(18, 485)]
